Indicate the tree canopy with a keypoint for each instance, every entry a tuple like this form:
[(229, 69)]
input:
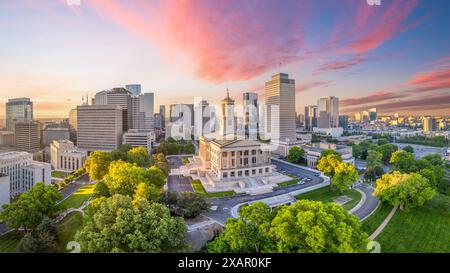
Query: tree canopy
[(295, 155), (344, 176), (116, 225), (97, 164), (139, 156), (327, 164)]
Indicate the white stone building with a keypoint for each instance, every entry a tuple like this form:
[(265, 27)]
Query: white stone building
[(232, 159), (138, 138), (65, 156), (314, 152), (23, 172)]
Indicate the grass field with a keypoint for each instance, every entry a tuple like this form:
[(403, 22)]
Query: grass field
[(78, 198), (423, 229), (59, 174), (374, 221), (288, 183), (198, 187), (325, 194), (9, 242), (67, 228)]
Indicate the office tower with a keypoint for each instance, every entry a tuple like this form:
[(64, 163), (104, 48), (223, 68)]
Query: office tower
[(162, 112), (250, 122), (65, 156), (117, 96), (18, 110), (328, 110), (134, 88), (228, 124), (28, 136), (142, 112), (50, 134), (202, 118), (73, 125), (23, 172), (181, 121), (99, 127), (343, 122), (373, 114), (310, 117), (6, 138), (429, 124), (280, 112)]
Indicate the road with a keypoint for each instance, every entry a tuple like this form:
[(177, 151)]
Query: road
[(177, 183), (370, 204), (422, 150)]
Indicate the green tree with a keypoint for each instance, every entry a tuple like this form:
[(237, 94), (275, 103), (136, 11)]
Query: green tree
[(247, 233), (114, 225), (31, 207), (434, 159), (344, 176), (121, 153), (409, 149), (191, 204), (159, 161), (403, 161), (97, 164), (387, 150), (101, 189), (373, 159), (139, 156), (41, 240), (325, 153), (382, 141), (295, 155), (373, 174), (316, 227), (328, 164), (404, 190), (123, 177)]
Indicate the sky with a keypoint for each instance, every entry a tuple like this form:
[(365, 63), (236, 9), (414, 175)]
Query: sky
[(394, 56)]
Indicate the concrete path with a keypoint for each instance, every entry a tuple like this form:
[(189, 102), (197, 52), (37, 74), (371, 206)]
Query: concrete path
[(384, 224)]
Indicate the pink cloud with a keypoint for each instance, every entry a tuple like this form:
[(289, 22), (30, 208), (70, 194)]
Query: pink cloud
[(375, 97), (342, 64), (302, 87)]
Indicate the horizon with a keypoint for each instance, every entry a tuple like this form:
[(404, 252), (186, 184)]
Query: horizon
[(392, 57)]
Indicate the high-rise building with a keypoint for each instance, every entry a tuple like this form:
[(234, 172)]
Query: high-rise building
[(203, 118), (228, 123), (73, 125), (144, 118), (134, 88), (251, 118), (280, 112), (162, 113), (429, 124), (117, 96), (310, 117), (99, 127), (51, 134), (18, 110), (181, 121), (65, 156), (343, 122), (28, 136), (373, 114), (23, 172), (328, 110)]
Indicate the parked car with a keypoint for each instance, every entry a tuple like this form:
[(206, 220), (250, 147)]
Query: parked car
[(301, 182)]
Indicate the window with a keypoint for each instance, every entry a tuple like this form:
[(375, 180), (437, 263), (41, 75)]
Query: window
[(247, 173), (225, 175), (253, 152), (239, 173), (253, 172), (246, 153), (260, 171), (232, 174), (245, 161), (232, 153), (267, 170), (253, 160)]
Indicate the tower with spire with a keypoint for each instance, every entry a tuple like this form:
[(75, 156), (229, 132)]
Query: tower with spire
[(228, 124)]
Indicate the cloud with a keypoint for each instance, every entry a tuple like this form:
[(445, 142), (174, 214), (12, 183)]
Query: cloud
[(436, 78), (311, 85), (342, 64), (375, 97)]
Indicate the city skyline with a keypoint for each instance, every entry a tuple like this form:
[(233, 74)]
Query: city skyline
[(392, 57)]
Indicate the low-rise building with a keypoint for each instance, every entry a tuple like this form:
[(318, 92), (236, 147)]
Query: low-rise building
[(50, 134), (23, 172), (314, 152), (138, 138), (4, 189), (65, 156), (6, 138), (230, 159)]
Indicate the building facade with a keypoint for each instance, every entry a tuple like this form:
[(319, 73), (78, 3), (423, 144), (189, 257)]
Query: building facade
[(99, 127), (65, 156), (23, 172), (310, 117), (73, 125), (137, 138), (6, 138), (429, 124), (232, 159), (51, 134), (251, 118), (28, 136), (134, 88), (18, 110), (314, 152), (328, 110)]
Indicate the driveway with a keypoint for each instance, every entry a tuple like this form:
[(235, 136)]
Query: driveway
[(177, 183)]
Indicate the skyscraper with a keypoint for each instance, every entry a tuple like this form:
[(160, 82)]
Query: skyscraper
[(181, 121), (250, 102), (343, 122), (142, 112), (134, 88), (328, 110), (99, 127), (18, 110), (429, 124), (117, 96), (310, 117), (280, 112), (373, 114), (73, 125), (228, 124), (28, 136), (162, 113)]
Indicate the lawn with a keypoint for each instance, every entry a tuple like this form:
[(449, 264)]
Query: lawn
[(288, 183), (423, 229), (67, 228), (9, 242), (59, 174), (78, 198), (325, 194), (198, 187), (374, 221)]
